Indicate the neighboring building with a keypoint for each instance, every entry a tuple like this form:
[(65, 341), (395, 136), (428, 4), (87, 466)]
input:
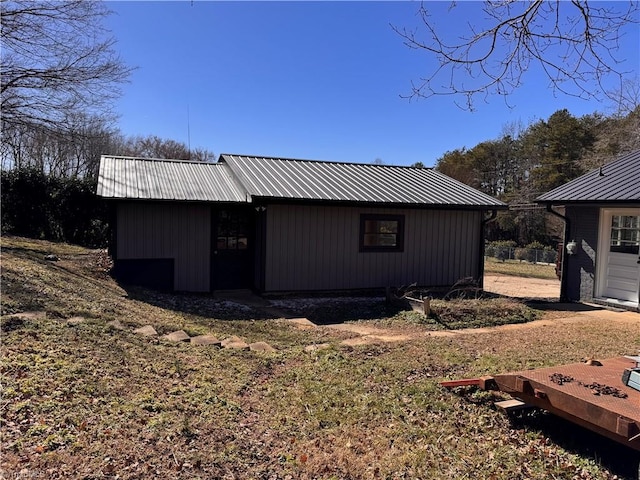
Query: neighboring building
[(281, 225), (602, 210)]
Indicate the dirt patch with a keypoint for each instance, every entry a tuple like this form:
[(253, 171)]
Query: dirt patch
[(521, 287)]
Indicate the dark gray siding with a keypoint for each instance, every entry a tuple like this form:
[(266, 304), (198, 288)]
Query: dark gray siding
[(181, 232), (581, 267), (317, 248)]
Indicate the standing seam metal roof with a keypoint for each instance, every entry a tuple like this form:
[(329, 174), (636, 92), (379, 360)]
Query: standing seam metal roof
[(155, 179), (237, 178), (270, 177), (616, 182)]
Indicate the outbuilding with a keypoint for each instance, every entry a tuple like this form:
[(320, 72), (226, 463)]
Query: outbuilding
[(602, 233), (279, 225)]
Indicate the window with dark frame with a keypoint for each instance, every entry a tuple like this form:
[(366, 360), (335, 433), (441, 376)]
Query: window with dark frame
[(232, 231), (381, 233)]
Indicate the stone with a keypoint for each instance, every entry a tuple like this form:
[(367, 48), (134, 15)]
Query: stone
[(29, 315), (237, 346), (301, 323), (206, 340), (177, 336), (146, 331), (235, 343), (76, 320), (316, 347), (261, 347), (116, 324), (231, 339)]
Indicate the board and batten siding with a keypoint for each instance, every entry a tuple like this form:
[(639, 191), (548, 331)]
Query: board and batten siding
[(317, 248), (181, 232)]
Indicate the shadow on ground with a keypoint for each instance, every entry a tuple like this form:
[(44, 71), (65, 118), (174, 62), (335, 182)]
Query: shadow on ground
[(563, 306), (620, 460), (615, 457), (205, 305), (350, 311)]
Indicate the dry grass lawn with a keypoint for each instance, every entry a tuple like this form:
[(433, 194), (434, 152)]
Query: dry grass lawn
[(520, 269), (90, 401)]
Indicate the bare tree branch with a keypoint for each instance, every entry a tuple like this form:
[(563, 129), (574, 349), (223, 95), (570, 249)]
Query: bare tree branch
[(575, 43), (56, 58)]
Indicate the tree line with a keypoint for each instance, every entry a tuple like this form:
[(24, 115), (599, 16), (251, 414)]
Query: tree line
[(525, 162), (74, 151)]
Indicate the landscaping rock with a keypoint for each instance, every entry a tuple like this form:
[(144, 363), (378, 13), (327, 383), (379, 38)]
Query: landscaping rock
[(29, 315), (261, 347), (235, 343), (146, 331), (206, 340), (76, 320), (231, 339), (116, 324), (177, 336), (301, 323)]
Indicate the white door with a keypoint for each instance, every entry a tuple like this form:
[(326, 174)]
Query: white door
[(619, 264)]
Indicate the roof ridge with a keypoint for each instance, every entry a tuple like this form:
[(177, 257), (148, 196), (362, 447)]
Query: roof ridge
[(333, 162), (152, 159)]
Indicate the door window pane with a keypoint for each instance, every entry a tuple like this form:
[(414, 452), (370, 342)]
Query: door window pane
[(232, 231), (625, 234)]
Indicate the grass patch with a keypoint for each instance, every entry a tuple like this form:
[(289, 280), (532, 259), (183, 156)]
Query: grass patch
[(520, 269), (88, 401)]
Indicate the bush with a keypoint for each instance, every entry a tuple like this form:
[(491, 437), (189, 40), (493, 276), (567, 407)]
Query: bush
[(39, 206), (549, 255), (524, 254), (532, 253), (499, 249)]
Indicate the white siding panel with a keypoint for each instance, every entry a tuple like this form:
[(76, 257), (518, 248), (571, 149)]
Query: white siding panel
[(178, 231), (317, 248)]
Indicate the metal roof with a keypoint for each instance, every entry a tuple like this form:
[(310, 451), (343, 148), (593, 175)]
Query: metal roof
[(350, 182), (615, 182), (237, 178), (156, 179)]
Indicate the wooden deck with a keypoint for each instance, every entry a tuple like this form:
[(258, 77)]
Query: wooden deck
[(590, 395)]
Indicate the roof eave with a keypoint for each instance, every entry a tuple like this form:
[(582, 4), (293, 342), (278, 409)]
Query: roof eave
[(320, 201), (590, 201)]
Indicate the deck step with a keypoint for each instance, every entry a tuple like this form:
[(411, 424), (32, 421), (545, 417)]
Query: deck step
[(512, 405)]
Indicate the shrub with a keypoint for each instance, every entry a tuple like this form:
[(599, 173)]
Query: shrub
[(500, 249), (40, 206)]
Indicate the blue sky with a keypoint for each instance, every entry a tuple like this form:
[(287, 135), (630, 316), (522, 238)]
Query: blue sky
[(309, 80)]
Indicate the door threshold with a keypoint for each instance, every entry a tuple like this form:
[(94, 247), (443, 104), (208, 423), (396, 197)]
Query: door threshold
[(614, 302)]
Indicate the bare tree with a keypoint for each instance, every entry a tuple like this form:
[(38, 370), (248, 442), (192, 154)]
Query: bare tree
[(73, 151), (574, 42), (626, 98), (57, 58), (152, 146)]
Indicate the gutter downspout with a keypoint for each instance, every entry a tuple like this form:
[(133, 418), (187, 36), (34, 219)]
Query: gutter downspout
[(484, 222), (565, 257)]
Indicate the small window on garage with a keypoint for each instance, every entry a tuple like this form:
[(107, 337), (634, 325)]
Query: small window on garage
[(381, 233)]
